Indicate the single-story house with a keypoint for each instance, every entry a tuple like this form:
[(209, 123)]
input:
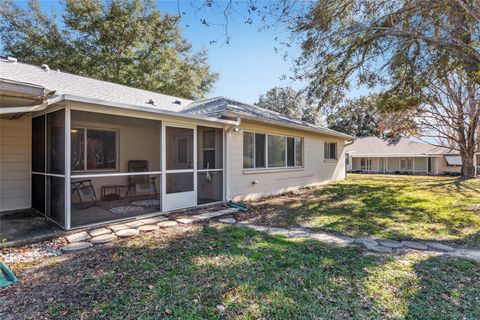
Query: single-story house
[(85, 152), (401, 155)]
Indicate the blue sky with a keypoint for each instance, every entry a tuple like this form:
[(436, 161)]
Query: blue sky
[(248, 65)]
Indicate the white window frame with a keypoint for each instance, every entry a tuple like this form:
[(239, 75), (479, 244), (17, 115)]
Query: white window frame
[(328, 153), (85, 169), (267, 167)]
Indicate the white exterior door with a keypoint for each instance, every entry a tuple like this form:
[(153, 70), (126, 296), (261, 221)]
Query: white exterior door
[(179, 159)]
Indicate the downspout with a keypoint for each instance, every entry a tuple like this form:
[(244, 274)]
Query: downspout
[(227, 157), (349, 142)]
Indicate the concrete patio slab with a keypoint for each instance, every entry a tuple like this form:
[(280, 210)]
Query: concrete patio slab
[(23, 227)]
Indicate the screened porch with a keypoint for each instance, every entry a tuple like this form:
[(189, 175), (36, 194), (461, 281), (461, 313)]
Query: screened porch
[(90, 168)]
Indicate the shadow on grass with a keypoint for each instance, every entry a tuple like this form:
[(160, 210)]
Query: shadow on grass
[(253, 275), (414, 208)]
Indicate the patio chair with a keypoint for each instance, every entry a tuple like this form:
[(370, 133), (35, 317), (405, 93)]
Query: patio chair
[(85, 193), (140, 184)]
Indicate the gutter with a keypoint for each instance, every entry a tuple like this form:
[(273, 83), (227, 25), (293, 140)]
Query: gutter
[(320, 130), (25, 109)]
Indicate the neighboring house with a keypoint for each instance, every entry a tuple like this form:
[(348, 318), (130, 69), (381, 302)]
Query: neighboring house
[(85, 152), (400, 155)]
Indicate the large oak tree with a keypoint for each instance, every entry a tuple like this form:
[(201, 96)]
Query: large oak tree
[(123, 41), (407, 49)]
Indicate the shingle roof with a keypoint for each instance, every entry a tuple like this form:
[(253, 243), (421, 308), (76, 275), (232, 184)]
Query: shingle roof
[(69, 84), (73, 86), (377, 146), (221, 106)]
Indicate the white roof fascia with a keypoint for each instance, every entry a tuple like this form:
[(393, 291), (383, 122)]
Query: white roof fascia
[(68, 97), (292, 125)]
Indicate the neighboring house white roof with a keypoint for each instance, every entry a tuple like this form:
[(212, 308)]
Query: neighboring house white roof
[(373, 146), (66, 86), (222, 106)]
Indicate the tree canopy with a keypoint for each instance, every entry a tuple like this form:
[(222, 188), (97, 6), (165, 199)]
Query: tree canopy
[(413, 52), (290, 102), (357, 117), (123, 41)]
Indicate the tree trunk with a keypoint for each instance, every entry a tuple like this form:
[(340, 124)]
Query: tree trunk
[(468, 168)]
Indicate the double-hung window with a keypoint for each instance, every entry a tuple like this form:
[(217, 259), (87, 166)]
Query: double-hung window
[(93, 149), (330, 151), (262, 150)]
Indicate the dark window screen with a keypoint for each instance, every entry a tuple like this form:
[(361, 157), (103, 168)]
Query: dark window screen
[(259, 150)]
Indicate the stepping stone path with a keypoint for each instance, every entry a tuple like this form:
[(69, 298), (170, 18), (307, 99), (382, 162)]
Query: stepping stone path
[(77, 241), (438, 246), (366, 242), (187, 220), (135, 224), (278, 231), (77, 237), (331, 239), (150, 221), (298, 234), (149, 228), (104, 238), (414, 245), (125, 233), (76, 246), (166, 224), (257, 228), (214, 214), (99, 232), (390, 243), (380, 249), (118, 227), (372, 245)]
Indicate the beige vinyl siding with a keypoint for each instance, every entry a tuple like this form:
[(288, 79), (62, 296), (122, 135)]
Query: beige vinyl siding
[(15, 163), (316, 169)]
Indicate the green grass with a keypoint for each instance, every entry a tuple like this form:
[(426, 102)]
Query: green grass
[(260, 277), (397, 207), (186, 272)]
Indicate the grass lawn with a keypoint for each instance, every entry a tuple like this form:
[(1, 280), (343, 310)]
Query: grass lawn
[(398, 207), (186, 272)]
